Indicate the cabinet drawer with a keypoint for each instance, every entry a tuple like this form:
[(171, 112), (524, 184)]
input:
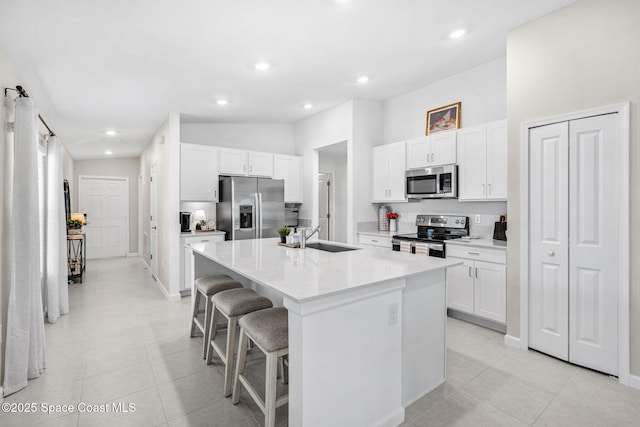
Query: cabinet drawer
[(382, 241), (480, 254), (203, 239)]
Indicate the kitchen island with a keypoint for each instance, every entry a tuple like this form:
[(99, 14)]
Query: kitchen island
[(366, 327)]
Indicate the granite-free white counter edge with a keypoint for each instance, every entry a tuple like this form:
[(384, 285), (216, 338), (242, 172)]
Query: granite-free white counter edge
[(377, 233), (202, 234), (305, 274), (479, 243)]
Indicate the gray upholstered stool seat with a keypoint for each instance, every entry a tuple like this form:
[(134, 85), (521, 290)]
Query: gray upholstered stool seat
[(231, 304), (206, 286), (269, 330)]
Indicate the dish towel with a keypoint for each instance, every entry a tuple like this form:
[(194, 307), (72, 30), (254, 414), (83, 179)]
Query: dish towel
[(422, 249), (405, 247)]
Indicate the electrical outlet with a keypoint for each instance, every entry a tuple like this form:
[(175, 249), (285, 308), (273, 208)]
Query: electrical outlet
[(393, 313), (477, 219)]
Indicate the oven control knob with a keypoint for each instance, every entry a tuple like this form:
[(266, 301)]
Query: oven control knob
[(457, 221)]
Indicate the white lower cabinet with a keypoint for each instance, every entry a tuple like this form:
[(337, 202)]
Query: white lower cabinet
[(369, 240), (478, 286), (185, 259)]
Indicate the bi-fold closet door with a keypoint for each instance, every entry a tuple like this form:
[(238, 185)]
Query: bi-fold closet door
[(573, 280)]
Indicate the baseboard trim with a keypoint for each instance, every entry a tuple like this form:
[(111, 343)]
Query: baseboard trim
[(477, 320), (394, 419), (512, 341), (634, 381), (133, 254), (145, 264), (169, 297)]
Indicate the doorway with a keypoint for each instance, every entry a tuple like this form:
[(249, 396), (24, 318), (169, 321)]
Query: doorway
[(332, 201), (153, 209), (105, 201)]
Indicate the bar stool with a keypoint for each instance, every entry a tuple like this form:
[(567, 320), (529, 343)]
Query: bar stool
[(207, 286), (231, 304), (269, 330)]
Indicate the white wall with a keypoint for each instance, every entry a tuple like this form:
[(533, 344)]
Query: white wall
[(482, 91), (580, 57), (271, 138), (325, 128), (164, 148)]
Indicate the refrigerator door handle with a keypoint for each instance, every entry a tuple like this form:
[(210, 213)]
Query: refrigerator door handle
[(256, 215), (260, 215)]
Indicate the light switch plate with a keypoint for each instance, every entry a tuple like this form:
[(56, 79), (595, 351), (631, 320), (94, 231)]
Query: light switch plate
[(477, 219)]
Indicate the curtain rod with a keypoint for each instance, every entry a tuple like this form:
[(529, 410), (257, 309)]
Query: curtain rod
[(22, 93)]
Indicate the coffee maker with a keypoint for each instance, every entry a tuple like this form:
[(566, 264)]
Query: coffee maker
[(185, 222)]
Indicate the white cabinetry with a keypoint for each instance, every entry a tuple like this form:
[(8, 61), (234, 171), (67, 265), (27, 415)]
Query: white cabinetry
[(482, 161), (241, 162), (185, 259), (478, 286), (198, 173), (433, 150), (289, 169), (389, 164), (370, 240)]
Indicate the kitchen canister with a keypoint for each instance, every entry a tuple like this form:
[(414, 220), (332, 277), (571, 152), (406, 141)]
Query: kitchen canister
[(383, 222)]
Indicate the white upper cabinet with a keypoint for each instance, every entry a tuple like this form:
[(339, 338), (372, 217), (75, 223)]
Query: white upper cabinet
[(389, 165), (482, 161), (241, 162), (198, 173), (433, 150), (289, 168)]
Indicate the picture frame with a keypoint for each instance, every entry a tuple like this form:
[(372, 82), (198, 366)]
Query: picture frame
[(443, 118)]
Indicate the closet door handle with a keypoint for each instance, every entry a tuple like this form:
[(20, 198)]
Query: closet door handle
[(551, 253)]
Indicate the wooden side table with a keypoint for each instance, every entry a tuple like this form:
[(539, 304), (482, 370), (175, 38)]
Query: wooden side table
[(76, 256)]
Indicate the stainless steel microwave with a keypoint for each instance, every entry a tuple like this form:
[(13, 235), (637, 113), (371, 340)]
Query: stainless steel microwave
[(438, 182)]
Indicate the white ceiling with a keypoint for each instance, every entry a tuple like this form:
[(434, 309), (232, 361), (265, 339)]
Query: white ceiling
[(124, 65)]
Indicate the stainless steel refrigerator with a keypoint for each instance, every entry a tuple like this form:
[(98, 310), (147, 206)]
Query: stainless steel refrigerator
[(250, 208)]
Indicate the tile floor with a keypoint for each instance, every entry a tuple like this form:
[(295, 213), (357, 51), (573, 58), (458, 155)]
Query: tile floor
[(122, 342)]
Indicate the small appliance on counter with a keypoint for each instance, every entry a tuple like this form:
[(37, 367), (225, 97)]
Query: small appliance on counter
[(185, 222), (433, 230), (500, 228)]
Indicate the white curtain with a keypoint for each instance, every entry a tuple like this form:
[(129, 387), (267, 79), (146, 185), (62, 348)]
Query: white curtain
[(24, 353), (56, 282)]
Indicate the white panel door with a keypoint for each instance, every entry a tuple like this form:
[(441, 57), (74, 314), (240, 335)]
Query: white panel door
[(593, 276), (460, 286), (472, 165), (153, 211), (548, 240), (497, 160), (106, 203)]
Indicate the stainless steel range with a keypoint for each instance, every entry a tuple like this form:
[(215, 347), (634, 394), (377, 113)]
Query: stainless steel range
[(433, 230)]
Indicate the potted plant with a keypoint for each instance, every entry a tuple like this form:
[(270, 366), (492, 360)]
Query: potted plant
[(74, 226), (393, 218), (283, 232)]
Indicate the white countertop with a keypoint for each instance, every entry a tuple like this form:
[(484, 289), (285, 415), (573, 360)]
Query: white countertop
[(202, 233), (377, 233), (479, 243), (305, 274)]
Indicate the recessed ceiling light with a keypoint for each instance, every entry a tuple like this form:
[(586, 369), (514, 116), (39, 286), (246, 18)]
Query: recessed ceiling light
[(111, 133), (263, 66), (363, 79), (307, 106), (222, 102), (108, 152), (458, 33)]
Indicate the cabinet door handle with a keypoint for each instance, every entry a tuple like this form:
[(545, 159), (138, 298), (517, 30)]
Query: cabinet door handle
[(483, 193), (250, 168), (473, 253), (244, 168), (389, 192), (489, 188), (433, 156), (469, 271), (375, 241), (215, 194), (476, 272)]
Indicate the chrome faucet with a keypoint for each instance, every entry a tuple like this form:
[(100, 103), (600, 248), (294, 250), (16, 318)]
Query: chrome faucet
[(304, 236)]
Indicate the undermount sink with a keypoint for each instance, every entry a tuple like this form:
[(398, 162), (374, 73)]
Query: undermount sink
[(329, 248)]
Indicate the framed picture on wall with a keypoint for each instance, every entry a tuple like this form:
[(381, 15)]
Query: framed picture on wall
[(443, 118)]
